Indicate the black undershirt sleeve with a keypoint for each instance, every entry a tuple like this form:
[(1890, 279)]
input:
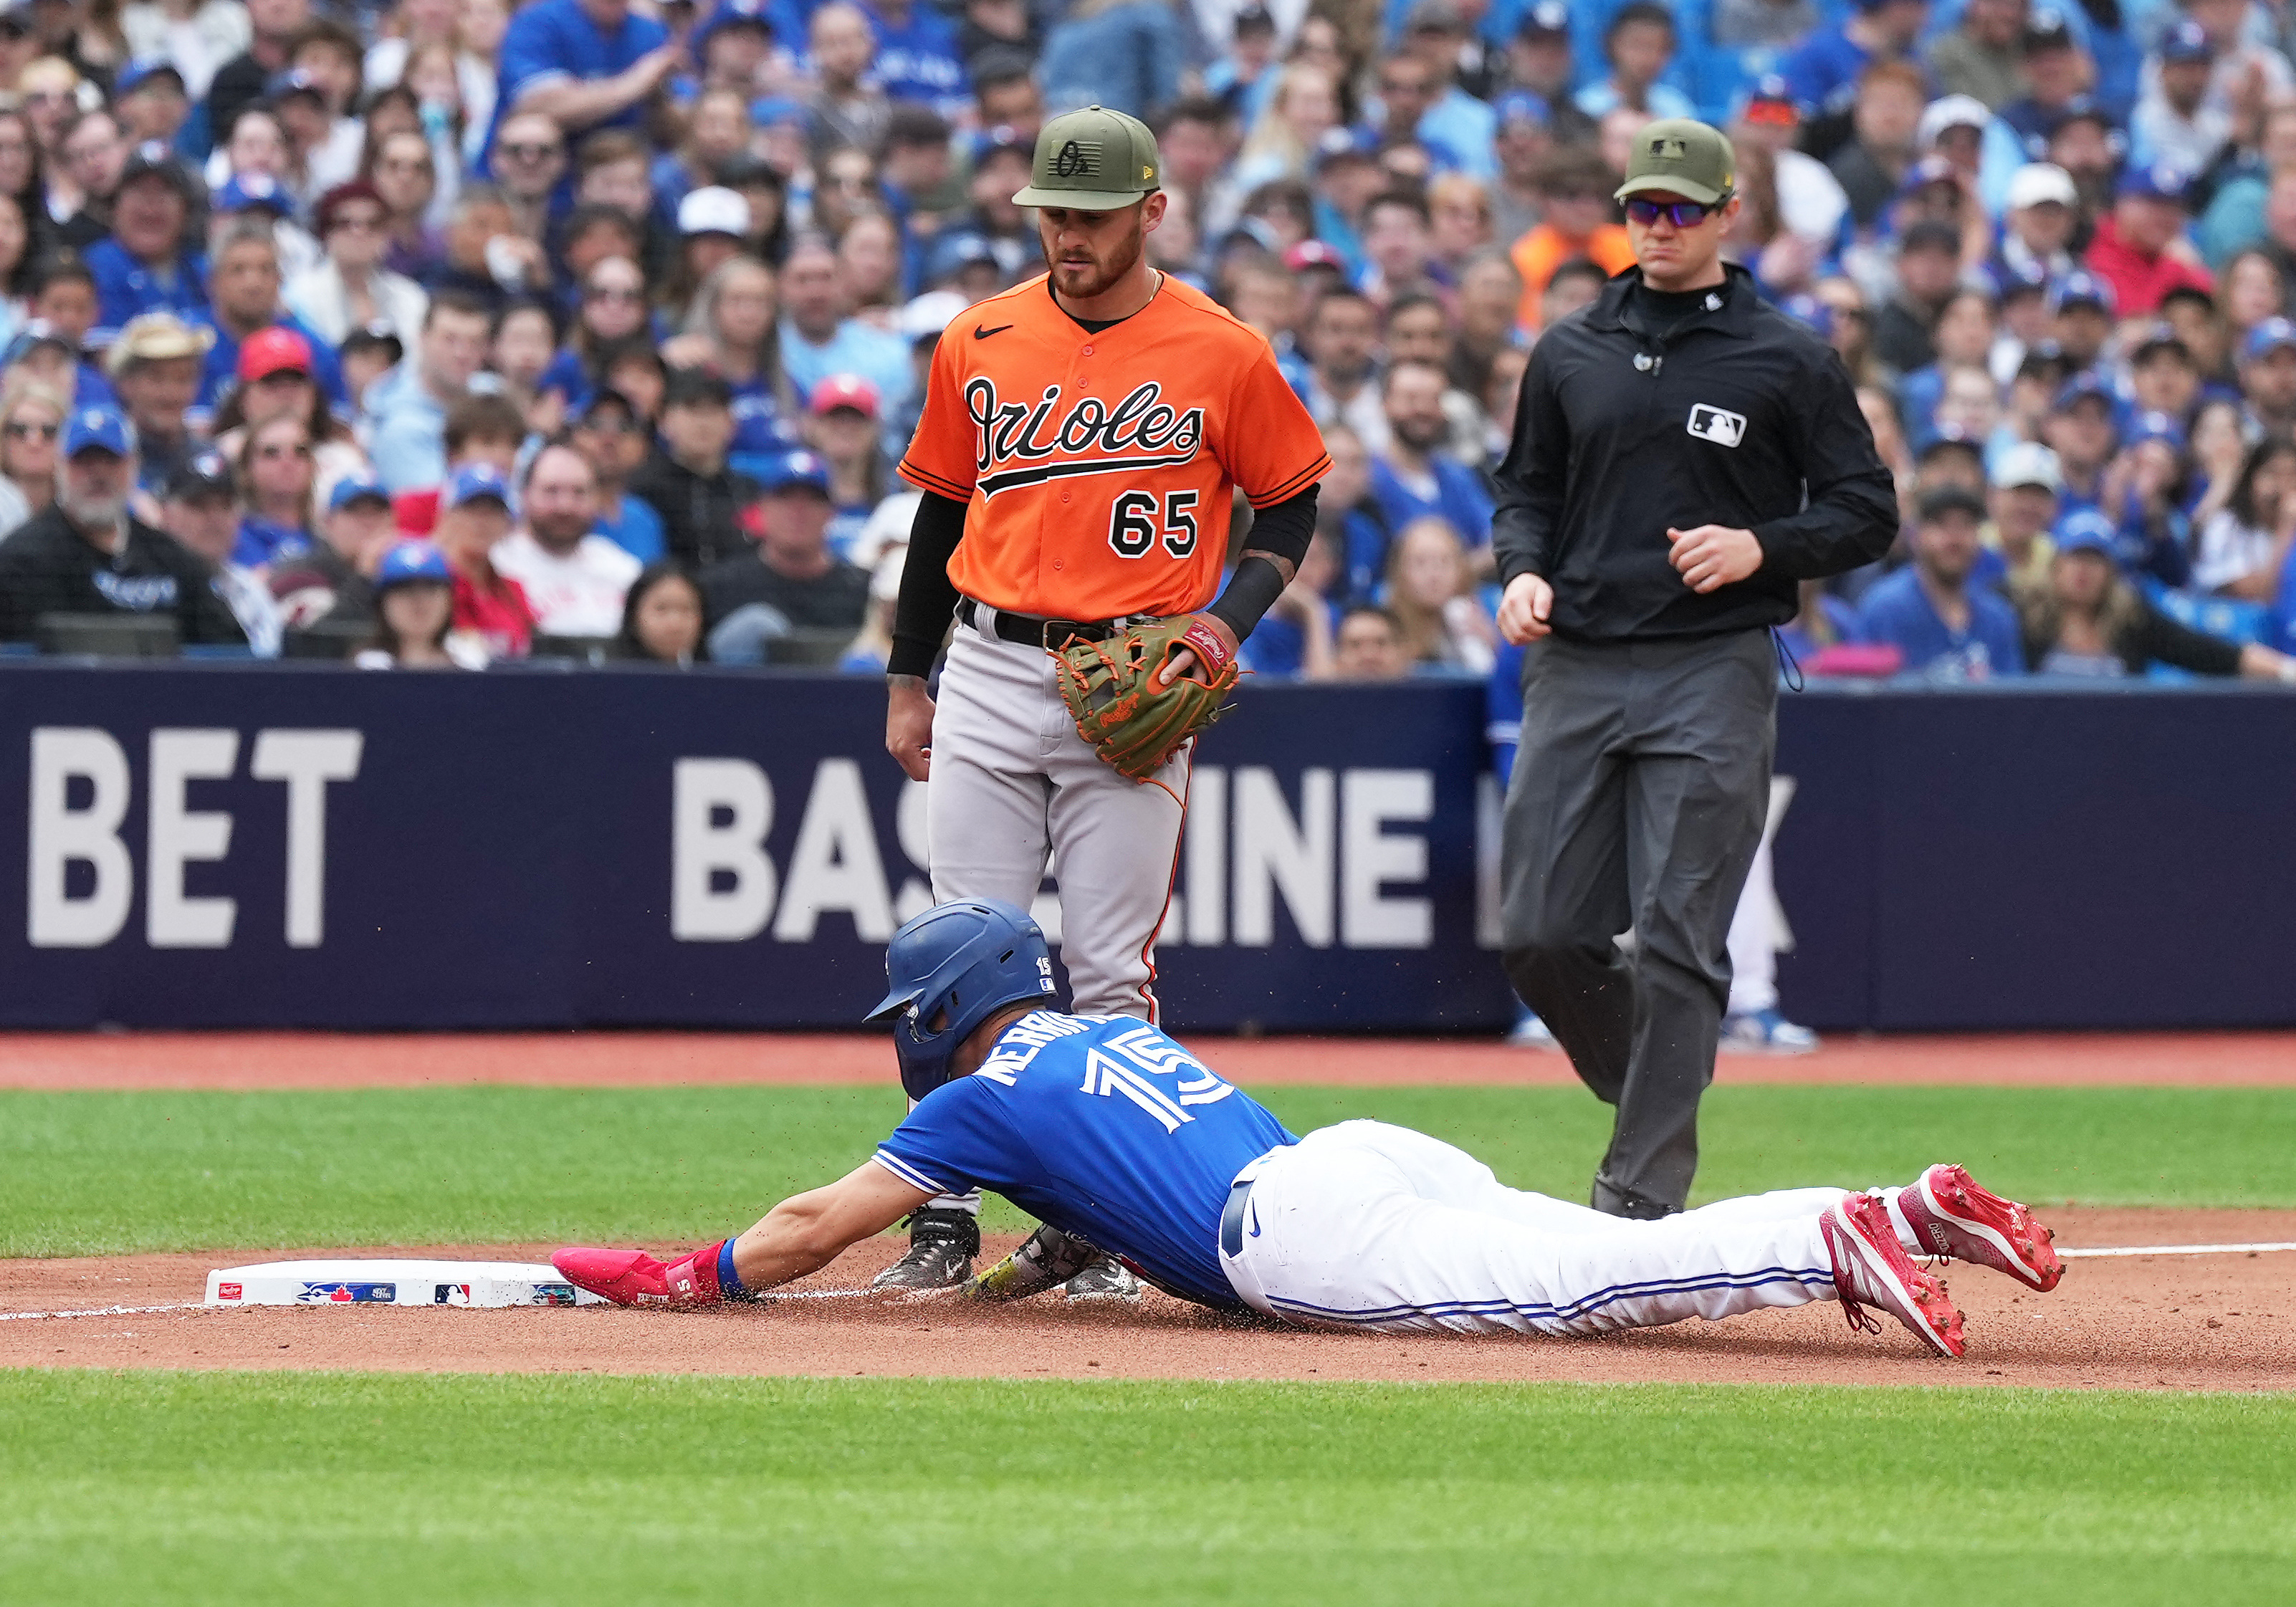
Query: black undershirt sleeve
[(1285, 530), (928, 599)]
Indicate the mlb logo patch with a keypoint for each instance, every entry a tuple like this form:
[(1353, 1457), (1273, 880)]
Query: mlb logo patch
[(1717, 424)]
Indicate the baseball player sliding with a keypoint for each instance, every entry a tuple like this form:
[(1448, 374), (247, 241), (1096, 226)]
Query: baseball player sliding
[(1117, 1137), (1082, 440)]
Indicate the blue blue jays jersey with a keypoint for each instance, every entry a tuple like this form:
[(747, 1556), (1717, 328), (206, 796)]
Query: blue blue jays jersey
[(1100, 1126)]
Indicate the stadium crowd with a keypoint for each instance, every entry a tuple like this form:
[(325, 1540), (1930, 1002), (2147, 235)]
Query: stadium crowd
[(440, 333)]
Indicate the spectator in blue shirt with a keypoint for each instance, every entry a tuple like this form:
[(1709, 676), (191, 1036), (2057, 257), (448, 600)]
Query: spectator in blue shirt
[(1411, 479), (1824, 73), (610, 435), (146, 267), (1928, 611), (1639, 43), (917, 57), (585, 64), (1125, 53), (244, 297), (409, 404), (818, 339)]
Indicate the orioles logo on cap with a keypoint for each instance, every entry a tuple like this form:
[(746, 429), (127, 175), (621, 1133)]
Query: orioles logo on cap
[(1076, 158)]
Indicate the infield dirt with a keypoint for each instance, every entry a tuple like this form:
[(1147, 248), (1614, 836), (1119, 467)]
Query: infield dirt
[(2186, 1322)]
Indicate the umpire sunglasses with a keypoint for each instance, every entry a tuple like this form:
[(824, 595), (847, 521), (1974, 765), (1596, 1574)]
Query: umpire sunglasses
[(1685, 214)]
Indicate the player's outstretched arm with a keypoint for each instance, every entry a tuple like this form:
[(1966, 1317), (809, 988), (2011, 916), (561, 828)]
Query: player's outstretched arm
[(807, 1232)]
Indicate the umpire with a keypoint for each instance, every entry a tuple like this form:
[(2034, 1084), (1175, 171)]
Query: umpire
[(1683, 456)]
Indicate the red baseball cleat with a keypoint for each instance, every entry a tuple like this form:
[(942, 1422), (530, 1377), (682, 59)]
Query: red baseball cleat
[(631, 1277), (1953, 1216), (1871, 1269)]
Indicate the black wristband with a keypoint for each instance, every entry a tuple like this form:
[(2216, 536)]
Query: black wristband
[(1251, 591)]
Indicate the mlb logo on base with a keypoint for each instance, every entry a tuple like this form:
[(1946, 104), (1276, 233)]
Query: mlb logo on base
[(1717, 424)]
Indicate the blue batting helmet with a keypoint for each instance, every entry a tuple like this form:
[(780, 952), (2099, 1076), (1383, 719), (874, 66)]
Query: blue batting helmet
[(958, 963)]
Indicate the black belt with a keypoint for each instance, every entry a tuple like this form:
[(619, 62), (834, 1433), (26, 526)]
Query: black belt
[(1232, 1216), (1029, 631)]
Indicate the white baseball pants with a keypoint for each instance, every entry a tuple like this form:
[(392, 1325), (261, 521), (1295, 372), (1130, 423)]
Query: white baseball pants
[(1363, 1224)]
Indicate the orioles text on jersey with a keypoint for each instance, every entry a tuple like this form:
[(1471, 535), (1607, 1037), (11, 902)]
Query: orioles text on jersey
[(1142, 431), (1100, 464)]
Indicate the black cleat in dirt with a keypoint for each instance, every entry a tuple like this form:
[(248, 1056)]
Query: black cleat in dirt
[(942, 1244)]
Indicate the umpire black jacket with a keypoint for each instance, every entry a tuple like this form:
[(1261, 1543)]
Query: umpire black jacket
[(1739, 417)]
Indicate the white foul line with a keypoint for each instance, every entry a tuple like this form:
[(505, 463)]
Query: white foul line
[(2175, 1249), (21, 1316)]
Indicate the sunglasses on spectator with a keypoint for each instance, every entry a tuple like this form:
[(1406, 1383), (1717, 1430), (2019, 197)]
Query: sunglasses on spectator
[(530, 153), (1684, 213), (611, 426), (613, 293), (17, 431)]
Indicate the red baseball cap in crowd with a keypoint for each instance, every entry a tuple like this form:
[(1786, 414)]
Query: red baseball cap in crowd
[(273, 350), (844, 391), (1314, 253)]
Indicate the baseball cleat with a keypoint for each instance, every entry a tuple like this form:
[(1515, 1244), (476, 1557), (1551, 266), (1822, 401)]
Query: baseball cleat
[(942, 1244), (1871, 1269), (631, 1277), (1951, 1216), (1047, 1258), (1105, 1280)]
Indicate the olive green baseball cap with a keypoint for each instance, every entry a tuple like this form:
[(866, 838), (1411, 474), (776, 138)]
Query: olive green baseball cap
[(1095, 161), (1679, 156)]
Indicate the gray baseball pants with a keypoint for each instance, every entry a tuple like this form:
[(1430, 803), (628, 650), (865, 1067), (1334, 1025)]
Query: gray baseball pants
[(1013, 786), (1637, 801)]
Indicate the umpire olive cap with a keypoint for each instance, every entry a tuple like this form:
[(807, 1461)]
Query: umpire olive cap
[(1095, 161), (1681, 156)]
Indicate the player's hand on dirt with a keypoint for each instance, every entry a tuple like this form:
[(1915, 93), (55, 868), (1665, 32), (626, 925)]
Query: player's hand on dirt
[(908, 725), (1713, 555), (1523, 609), (1185, 660)]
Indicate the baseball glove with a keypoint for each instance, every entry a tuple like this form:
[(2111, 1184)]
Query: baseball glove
[(1110, 691)]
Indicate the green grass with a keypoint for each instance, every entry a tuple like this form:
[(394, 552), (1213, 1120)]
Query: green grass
[(96, 1172), (358, 1488)]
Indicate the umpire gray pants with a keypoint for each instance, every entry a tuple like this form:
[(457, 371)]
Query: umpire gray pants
[(1638, 800)]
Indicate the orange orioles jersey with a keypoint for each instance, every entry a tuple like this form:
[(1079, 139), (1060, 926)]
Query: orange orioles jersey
[(1099, 469)]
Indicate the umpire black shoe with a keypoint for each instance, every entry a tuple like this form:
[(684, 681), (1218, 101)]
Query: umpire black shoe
[(1613, 1201), (942, 1244)]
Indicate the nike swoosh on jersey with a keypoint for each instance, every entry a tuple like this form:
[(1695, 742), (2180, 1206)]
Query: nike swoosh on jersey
[(980, 333)]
